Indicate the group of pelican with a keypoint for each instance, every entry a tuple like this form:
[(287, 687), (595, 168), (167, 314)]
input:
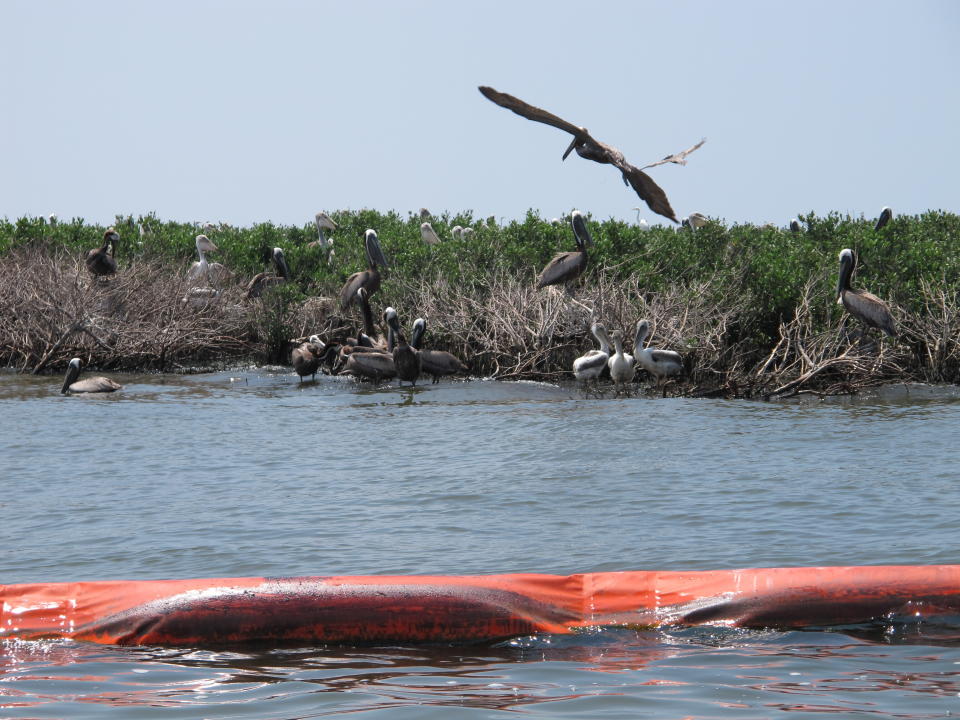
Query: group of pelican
[(621, 366)]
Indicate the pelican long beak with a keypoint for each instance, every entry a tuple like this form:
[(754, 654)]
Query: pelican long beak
[(570, 147), (73, 371)]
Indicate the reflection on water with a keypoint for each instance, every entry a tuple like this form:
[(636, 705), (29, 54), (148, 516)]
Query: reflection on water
[(250, 473), (693, 672)]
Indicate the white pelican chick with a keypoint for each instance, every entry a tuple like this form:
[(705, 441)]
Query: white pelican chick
[(590, 366)]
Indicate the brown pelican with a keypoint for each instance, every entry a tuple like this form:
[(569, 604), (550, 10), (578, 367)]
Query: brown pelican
[(428, 234), (261, 281), (590, 366), (436, 363), (374, 366), (425, 214), (306, 357), (679, 158), (210, 273), (89, 385), (100, 261), (406, 358), (794, 225), (659, 363), (369, 278), (323, 222), (886, 215), (567, 267), (367, 338), (621, 366), (590, 149), (694, 220), (865, 306)]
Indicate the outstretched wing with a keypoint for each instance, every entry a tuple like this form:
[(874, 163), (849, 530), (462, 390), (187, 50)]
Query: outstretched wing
[(651, 193), (530, 112), (680, 158)]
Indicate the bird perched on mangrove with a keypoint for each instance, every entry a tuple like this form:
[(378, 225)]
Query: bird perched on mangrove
[(201, 270), (306, 357), (425, 215), (591, 365), (428, 234), (865, 306), (641, 222), (794, 225), (886, 215), (679, 158), (266, 279), (324, 223), (406, 358), (591, 149), (694, 221), (100, 261), (467, 234), (369, 278), (567, 267), (88, 385), (436, 363), (659, 363)]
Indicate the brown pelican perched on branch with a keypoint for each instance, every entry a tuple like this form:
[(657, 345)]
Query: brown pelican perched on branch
[(659, 363), (89, 385), (679, 158), (590, 366), (865, 306), (428, 234), (436, 363), (261, 281), (591, 149), (406, 358), (100, 261), (369, 278), (886, 215), (567, 267), (306, 357)]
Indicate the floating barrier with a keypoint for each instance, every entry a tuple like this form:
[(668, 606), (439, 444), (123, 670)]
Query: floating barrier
[(416, 609)]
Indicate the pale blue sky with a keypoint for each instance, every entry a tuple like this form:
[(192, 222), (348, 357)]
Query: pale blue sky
[(253, 111)]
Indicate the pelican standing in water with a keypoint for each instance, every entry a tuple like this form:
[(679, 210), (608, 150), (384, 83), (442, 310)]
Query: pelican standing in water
[(865, 306), (567, 267), (88, 385), (369, 278), (621, 366), (100, 261), (406, 358), (436, 363), (210, 273), (659, 363), (428, 234), (266, 279), (590, 366), (324, 223), (886, 215), (306, 357), (591, 149)]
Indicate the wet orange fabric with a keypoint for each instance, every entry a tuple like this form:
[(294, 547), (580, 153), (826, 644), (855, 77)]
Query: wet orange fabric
[(365, 609)]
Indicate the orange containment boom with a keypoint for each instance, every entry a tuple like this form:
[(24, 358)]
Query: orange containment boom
[(466, 608)]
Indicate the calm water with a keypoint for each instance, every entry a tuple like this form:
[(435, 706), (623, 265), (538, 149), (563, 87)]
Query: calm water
[(247, 473)]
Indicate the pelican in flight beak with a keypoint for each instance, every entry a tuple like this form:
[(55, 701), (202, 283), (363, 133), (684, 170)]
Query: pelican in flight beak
[(591, 149), (88, 385), (567, 267), (865, 306)]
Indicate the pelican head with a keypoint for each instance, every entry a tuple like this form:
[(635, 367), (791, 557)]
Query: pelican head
[(419, 328), (281, 262), (73, 372), (374, 253), (886, 215), (324, 222), (111, 235), (580, 229), (205, 244), (643, 331), (390, 317), (847, 261), (575, 143)]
